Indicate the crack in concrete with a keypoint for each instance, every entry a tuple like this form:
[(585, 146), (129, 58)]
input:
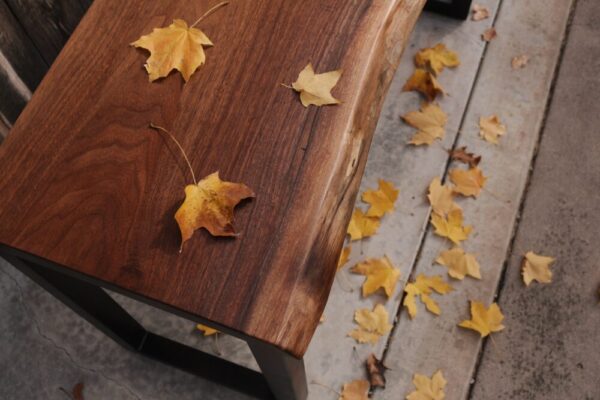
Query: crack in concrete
[(59, 347)]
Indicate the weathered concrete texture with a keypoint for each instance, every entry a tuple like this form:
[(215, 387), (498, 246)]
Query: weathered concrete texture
[(551, 346)]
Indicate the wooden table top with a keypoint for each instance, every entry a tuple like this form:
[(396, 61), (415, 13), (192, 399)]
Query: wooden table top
[(87, 186)]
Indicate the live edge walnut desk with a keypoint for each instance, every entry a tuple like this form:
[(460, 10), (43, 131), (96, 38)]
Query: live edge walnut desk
[(88, 192)]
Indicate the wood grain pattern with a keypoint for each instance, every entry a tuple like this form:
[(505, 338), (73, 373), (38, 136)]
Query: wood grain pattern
[(87, 185), (48, 23)]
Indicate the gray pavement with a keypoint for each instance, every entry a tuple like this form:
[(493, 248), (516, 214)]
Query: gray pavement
[(551, 346)]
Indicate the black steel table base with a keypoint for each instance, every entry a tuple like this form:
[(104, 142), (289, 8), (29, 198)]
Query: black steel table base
[(283, 376), (452, 8)]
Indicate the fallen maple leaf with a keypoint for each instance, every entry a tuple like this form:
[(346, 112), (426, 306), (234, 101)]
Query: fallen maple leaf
[(355, 390), (376, 372), (361, 226), (441, 198), (316, 89), (459, 263), (425, 82), (436, 58), (462, 155), (489, 34), (480, 12), (176, 46), (430, 121), (490, 128), (536, 268), (344, 255), (206, 330), (372, 324), (428, 389), (484, 321), (423, 286), (451, 227), (381, 200), (209, 204), (519, 62), (380, 273), (467, 182)]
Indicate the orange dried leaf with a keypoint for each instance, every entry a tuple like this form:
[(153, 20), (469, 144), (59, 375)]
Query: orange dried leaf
[(436, 58), (430, 121), (425, 82), (452, 226), (208, 331), (381, 200), (536, 268), (480, 12), (519, 62), (380, 273), (468, 182), (209, 204), (372, 324), (490, 128), (484, 321), (355, 390), (441, 198), (176, 46), (489, 34), (462, 155), (459, 263), (361, 226), (315, 89), (423, 286), (428, 388), (376, 371)]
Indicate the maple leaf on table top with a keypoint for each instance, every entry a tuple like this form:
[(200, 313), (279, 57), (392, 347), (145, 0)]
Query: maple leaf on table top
[(430, 122), (423, 286), (428, 388), (484, 321), (468, 182), (451, 227), (315, 89), (459, 263), (355, 390), (361, 226), (381, 200), (441, 198), (177, 46), (536, 268), (372, 324), (425, 82), (436, 58), (380, 273)]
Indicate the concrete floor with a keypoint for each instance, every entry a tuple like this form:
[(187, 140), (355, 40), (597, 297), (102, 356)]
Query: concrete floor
[(550, 349)]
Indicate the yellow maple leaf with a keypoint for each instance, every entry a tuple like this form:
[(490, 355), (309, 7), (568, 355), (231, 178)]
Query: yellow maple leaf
[(452, 226), (361, 226), (425, 82), (380, 273), (536, 267), (355, 390), (176, 46), (208, 331), (209, 204), (468, 182), (316, 88), (430, 122), (459, 263), (372, 324), (441, 198), (490, 128), (436, 58), (381, 200), (344, 256), (423, 286), (428, 388), (484, 321)]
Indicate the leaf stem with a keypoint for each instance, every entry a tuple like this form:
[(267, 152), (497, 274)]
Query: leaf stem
[(160, 128), (212, 10)]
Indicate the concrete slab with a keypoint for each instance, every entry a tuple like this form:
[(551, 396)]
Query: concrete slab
[(550, 348)]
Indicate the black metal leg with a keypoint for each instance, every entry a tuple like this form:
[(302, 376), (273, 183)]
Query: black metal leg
[(97, 307), (452, 8), (284, 373)]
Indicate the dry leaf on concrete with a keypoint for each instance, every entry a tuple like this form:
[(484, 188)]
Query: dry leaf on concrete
[(480, 12), (468, 182), (380, 274), (519, 62), (490, 128), (484, 321), (459, 263), (355, 390), (425, 82), (382, 200), (436, 58), (428, 388), (423, 286), (430, 122), (536, 268)]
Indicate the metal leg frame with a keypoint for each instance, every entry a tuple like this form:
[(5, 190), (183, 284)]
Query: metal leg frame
[(283, 376), (458, 9)]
